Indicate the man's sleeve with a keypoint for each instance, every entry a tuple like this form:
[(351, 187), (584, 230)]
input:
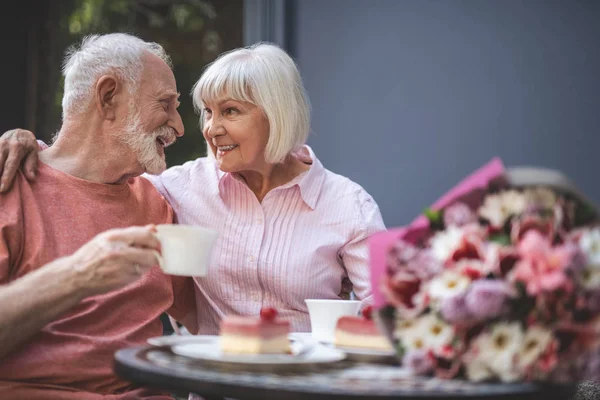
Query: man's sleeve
[(11, 232)]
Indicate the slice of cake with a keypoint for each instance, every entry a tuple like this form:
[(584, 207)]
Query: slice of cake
[(361, 332), (250, 335)]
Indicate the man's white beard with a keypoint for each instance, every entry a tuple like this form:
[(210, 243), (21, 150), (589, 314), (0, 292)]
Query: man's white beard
[(144, 144)]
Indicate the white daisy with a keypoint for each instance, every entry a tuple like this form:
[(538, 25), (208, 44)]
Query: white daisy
[(437, 333), (448, 284), (412, 334), (535, 342), (425, 333), (443, 244), (497, 208), (505, 338), (590, 245), (477, 370), (540, 196), (590, 277), (404, 325), (499, 350), (504, 367)]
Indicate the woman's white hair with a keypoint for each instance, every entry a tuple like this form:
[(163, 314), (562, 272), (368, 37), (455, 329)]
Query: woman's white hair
[(265, 75), (117, 53)]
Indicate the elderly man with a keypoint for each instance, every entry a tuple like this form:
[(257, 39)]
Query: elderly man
[(66, 305)]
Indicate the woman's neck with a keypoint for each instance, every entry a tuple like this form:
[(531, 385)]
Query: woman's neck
[(262, 181)]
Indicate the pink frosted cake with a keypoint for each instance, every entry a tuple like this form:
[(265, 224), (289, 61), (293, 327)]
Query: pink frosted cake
[(361, 332), (250, 335)]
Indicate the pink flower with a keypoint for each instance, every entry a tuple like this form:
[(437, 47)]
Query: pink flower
[(487, 299), (401, 254), (410, 259), (591, 367), (528, 222), (459, 214), (594, 302), (542, 267), (454, 310)]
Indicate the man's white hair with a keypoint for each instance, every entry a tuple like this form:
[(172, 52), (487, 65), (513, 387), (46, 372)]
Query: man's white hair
[(265, 75), (117, 53)]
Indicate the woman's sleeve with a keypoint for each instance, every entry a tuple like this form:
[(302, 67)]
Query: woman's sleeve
[(355, 253)]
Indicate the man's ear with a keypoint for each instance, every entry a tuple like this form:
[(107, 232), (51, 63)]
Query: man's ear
[(108, 89)]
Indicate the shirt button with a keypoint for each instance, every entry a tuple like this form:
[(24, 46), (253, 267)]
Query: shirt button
[(259, 220), (251, 258)]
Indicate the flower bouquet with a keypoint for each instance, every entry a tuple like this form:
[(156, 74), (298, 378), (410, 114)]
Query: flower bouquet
[(497, 281)]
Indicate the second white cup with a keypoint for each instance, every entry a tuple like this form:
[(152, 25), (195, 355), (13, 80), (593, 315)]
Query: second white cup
[(324, 315)]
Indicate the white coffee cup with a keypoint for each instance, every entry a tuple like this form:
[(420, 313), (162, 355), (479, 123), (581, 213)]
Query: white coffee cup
[(186, 249), (324, 315)]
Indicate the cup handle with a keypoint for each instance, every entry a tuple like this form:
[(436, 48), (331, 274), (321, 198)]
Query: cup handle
[(159, 258)]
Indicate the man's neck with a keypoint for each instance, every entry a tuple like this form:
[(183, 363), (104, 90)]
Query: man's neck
[(90, 153)]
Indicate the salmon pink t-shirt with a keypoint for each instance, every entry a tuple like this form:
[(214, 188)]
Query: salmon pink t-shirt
[(72, 357)]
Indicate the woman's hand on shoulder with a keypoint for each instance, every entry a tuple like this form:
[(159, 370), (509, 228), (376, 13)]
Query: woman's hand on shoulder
[(18, 148)]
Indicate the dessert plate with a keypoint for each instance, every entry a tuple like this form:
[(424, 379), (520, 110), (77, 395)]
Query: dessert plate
[(353, 353), (303, 353), (174, 340), (369, 355)]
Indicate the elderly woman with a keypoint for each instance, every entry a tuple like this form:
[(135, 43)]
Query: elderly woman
[(289, 228)]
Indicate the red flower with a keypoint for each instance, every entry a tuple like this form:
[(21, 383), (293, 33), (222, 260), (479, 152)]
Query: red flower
[(549, 358), (468, 249), (403, 291), (508, 257)]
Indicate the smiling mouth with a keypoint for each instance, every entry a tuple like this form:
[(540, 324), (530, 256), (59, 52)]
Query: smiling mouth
[(222, 150), (164, 142)]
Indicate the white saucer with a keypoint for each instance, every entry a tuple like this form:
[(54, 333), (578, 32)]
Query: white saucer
[(303, 353), (353, 353), (174, 340), (366, 352)]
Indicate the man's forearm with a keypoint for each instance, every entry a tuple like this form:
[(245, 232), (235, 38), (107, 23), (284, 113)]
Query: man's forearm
[(31, 302)]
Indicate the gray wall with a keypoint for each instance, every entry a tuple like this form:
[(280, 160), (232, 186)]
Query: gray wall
[(410, 96)]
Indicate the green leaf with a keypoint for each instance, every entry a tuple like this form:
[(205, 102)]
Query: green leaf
[(400, 349), (435, 217), (584, 214), (387, 312), (500, 238)]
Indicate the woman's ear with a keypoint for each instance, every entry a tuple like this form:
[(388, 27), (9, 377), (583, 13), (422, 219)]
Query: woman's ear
[(107, 90)]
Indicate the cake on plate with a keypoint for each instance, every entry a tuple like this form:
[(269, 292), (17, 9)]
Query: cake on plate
[(360, 332), (250, 335)]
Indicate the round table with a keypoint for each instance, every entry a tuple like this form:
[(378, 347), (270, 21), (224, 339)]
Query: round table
[(159, 367)]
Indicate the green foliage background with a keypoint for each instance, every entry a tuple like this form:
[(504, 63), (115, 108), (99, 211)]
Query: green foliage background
[(193, 32)]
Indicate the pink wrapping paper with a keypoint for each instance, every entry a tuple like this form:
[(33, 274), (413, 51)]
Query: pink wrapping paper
[(379, 244)]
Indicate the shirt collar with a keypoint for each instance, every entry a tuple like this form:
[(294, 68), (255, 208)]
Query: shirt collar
[(309, 182)]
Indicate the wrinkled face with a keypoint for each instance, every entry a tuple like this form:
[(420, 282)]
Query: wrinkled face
[(153, 122), (237, 133)]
